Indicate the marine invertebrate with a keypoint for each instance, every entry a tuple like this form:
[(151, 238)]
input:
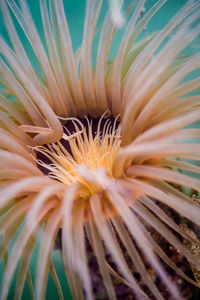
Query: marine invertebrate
[(108, 183)]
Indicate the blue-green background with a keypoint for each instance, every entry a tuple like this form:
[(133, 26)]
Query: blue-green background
[(75, 10)]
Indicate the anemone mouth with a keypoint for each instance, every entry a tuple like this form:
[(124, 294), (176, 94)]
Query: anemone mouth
[(90, 144)]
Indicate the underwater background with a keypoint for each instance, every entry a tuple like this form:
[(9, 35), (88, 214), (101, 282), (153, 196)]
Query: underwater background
[(75, 11)]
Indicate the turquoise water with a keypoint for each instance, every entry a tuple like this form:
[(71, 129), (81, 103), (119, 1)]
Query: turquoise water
[(75, 15)]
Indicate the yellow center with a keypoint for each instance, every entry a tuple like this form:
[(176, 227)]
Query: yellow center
[(92, 152)]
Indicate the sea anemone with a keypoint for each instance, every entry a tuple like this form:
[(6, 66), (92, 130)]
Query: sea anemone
[(99, 154)]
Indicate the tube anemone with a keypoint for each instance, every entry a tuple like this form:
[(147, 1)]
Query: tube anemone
[(114, 141)]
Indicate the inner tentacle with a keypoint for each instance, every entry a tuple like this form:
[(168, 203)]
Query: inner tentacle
[(92, 143)]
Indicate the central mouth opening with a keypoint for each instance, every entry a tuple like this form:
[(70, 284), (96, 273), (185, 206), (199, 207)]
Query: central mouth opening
[(87, 144)]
